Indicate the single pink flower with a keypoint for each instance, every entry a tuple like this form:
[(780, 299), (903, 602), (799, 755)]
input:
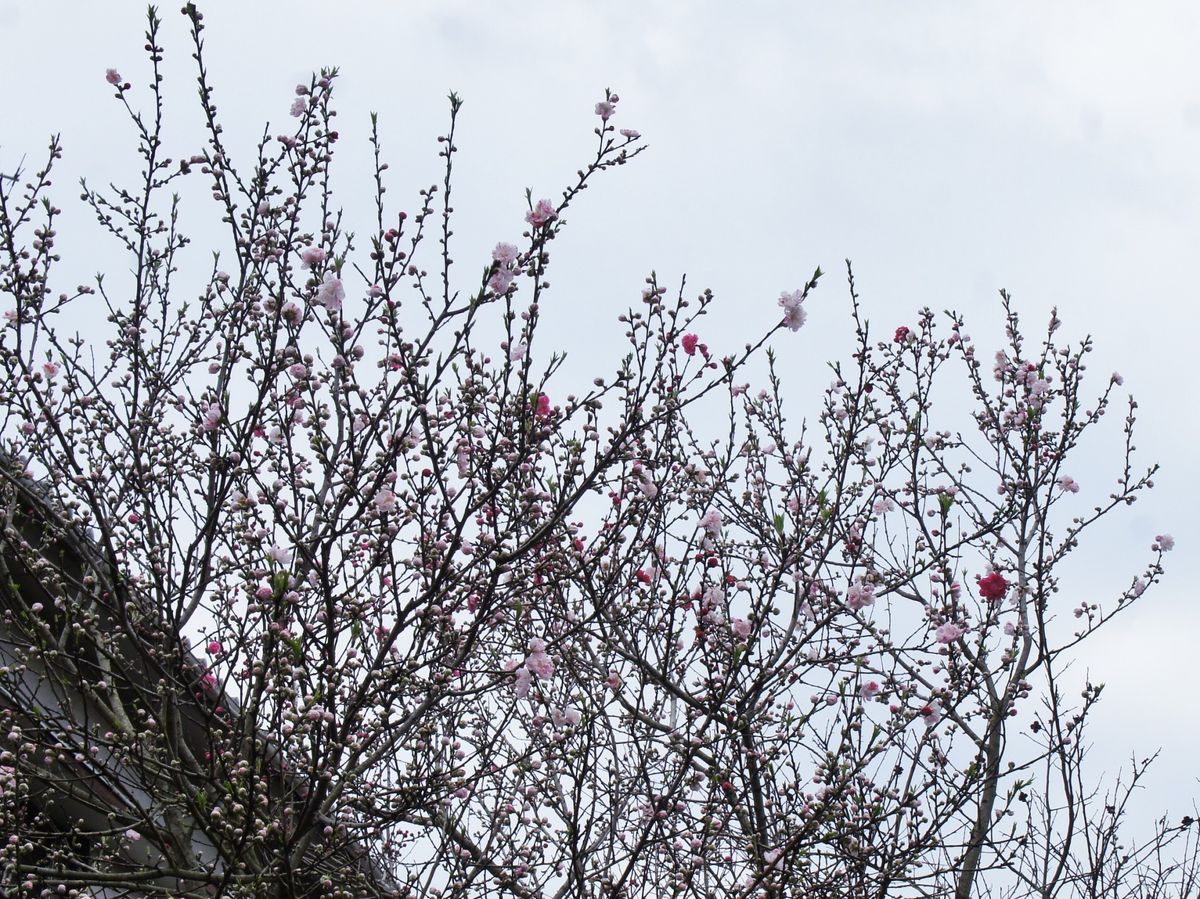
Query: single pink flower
[(689, 342), (505, 253), (1068, 485), (112, 76), (331, 292), (542, 409), (298, 106), (794, 315), (1163, 542), (740, 628), (215, 648), (711, 521), (630, 134), (932, 713), (949, 632), (869, 690), (541, 214), (312, 256), (500, 280), (605, 110)]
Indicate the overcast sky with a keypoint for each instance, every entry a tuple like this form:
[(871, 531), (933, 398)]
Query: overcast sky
[(948, 149)]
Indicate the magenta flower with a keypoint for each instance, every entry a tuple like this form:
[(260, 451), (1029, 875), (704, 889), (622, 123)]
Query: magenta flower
[(993, 586), (542, 409), (215, 648), (689, 342), (541, 214), (901, 334)]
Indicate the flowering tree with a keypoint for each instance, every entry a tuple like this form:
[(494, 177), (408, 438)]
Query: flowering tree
[(319, 583)]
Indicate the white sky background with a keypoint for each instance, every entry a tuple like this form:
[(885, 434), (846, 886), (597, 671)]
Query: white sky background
[(948, 149)]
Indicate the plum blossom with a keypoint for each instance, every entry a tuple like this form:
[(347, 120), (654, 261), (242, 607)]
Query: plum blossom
[(538, 661), (860, 595), (542, 409), (211, 419), (711, 521), (869, 690), (932, 713), (949, 632), (541, 214), (505, 254), (606, 110), (298, 106), (50, 369), (331, 292), (566, 717), (500, 280), (613, 681), (993, 586), (1068, 484), (517, 352), (901, 335), (1163, 542), (215, 648), (630, 134), (312, 256), (740, 628), (689, 342), (112, 76), (794, 315), (385, 500)]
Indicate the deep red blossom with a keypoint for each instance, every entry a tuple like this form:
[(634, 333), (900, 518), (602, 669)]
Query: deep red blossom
[(689, 342), (901, 334), (993, 586)]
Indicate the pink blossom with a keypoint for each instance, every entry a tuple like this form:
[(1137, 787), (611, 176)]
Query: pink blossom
[(500, 280), (1163, 542), (711, 521), (331, 292), (630, 134), (312, 256), (215, 648), (689, 342), (740, 628), (132, 835), (538, 661), (860, 595), (298, 370), (566, 717), (298, 106), (517, 353), (605, 110), (50, 369), (613, 681), (901, 335), (524, 678), (542, 409), (505, 253), (794, 315), (949, 632), (385, 500), (112, 76), (869, 690), (1069, 485), (212, 418), (541, 214), (932, 713)]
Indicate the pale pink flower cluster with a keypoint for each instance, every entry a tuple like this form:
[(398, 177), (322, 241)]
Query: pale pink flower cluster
[(504, 255), (211, 418), (794, 315), (312, 256), (711, 521), (869, 690), (385, 500), (541, 214), (1068, 484), (331, 293), (860, 595), (537, 664), (740, 628), (566, 717), (949, 632)]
